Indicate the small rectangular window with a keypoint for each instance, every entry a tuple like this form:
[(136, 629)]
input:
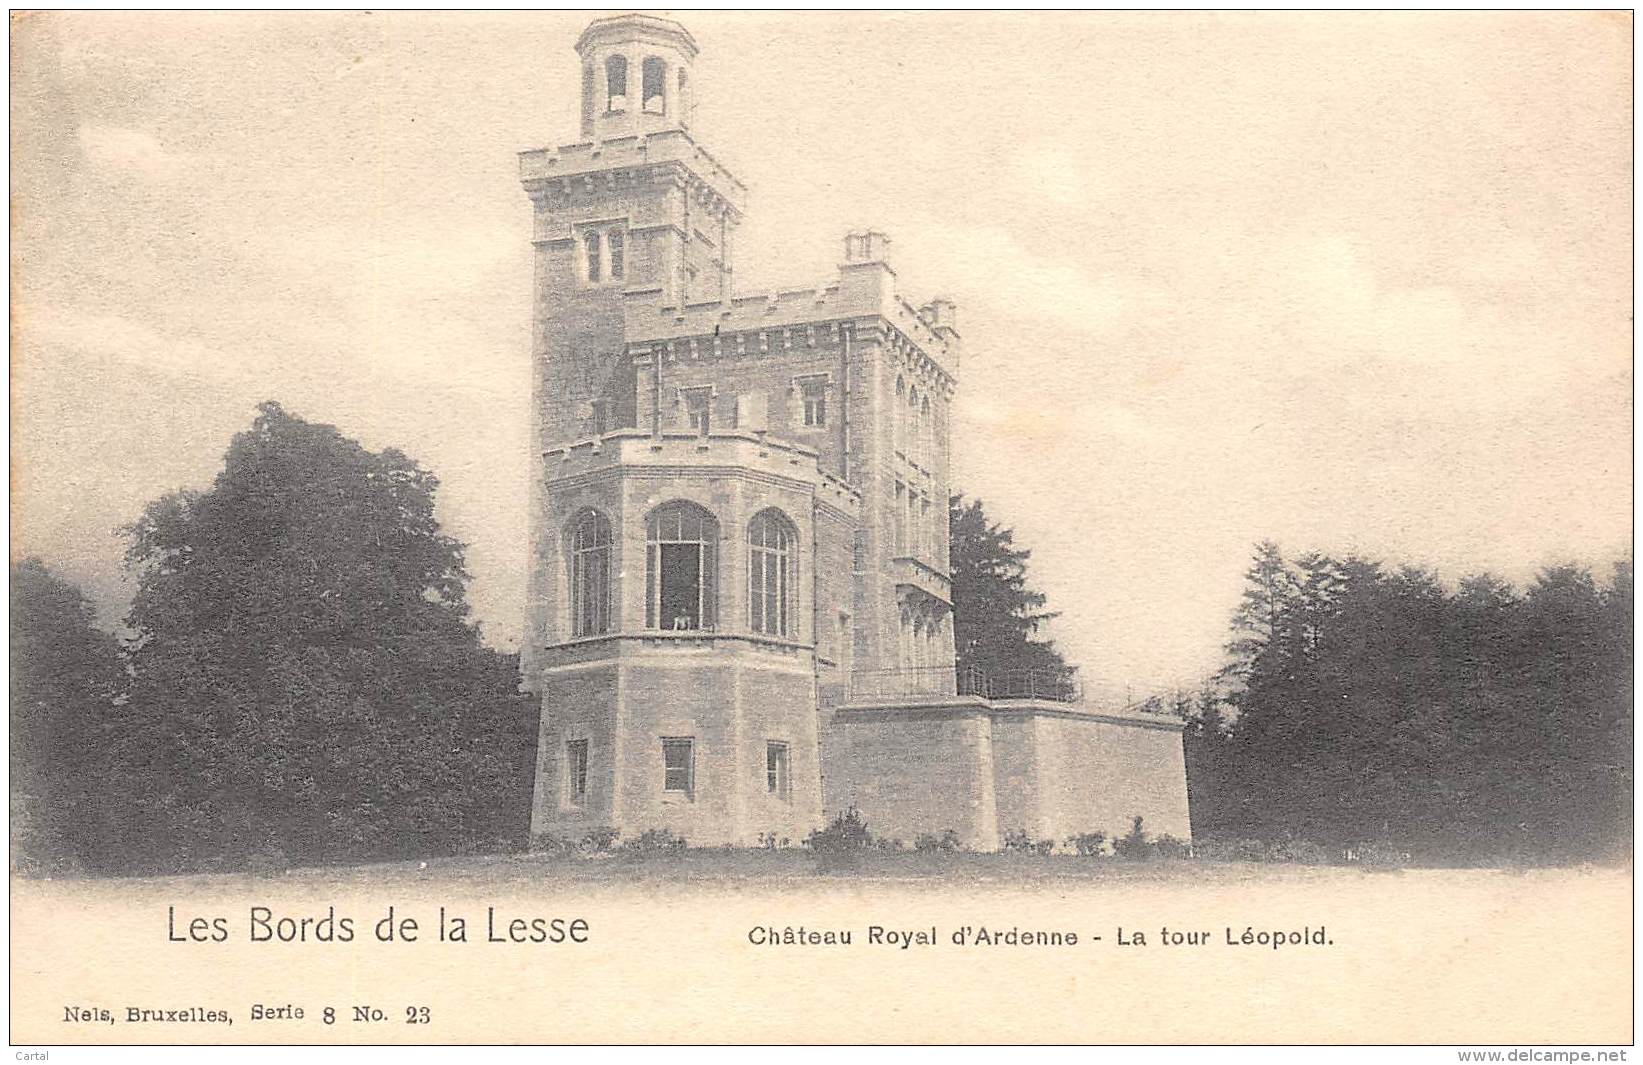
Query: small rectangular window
[(614, 245), (699, 409), (576, 769), (775, 769), (678, 764)]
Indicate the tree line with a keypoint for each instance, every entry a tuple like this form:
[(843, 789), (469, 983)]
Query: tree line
[(299, 683), (1366, 704)]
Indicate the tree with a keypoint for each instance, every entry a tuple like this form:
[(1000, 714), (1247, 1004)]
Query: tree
[(996, 614), (65, 677), (305, 682)]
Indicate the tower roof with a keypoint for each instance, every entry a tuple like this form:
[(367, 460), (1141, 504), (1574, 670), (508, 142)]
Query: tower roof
[(635, 27)]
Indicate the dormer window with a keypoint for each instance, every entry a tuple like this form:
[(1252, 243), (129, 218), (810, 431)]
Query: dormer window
[(616, 83), (653, 84)]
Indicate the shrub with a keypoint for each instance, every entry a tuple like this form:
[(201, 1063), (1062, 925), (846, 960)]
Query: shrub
[(476, 848), (1298, 851), (653, 841), (840, 844), (1377, 855), (1167, 846), (601, 840), (549, 845), (1020, 842), (1088, 844), (946, 843), (886, 844), (1134, 844)]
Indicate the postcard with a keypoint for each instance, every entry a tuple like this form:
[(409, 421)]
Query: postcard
[(822, 527)]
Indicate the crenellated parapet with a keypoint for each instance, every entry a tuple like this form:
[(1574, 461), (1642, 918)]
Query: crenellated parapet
[(556, 177), (731, 452), (794, 319)]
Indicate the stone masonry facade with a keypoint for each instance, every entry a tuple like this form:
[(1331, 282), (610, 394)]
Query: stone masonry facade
[(739, 613)]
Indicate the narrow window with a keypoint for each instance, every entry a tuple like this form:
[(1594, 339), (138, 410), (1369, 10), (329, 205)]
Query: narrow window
[(681, 586), (912, 441), (576, 770), (699, 409), (601, 417), (682, 107), (590, 575), (590, 248), (654, 74), (814, 392), (614, 243), (589, 77), (769, 573), (616, 83), (775, 770), (913, 536), (901, 522), (927, 435), (897, 429), (678, 764)]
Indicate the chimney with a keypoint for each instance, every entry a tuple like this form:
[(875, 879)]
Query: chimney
[(941, 315), (867, 246)]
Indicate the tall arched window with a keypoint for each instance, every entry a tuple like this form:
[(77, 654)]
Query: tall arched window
[(590, 575), (770, 580), (912, 425), (897, 430), (590, 250), (616, 83), (926, 433), (681, 568), (653, 84)]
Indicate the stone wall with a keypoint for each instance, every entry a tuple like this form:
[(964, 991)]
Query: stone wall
[(913, 769), (986, 769)]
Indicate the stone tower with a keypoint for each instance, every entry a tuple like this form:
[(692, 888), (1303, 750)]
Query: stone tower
[(740, 611)]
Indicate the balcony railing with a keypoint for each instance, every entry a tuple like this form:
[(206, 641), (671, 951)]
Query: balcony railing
[(1052, 685)]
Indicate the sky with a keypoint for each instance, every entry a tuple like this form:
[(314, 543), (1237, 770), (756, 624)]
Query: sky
[(1349, 282)]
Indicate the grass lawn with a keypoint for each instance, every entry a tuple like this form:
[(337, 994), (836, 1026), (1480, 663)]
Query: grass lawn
[(796, 864)]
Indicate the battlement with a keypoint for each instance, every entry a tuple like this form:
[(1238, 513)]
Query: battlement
[(541, 167), (730, 449), (784, 318)]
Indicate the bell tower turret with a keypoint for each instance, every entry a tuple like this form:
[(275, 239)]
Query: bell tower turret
[(635, 76)]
